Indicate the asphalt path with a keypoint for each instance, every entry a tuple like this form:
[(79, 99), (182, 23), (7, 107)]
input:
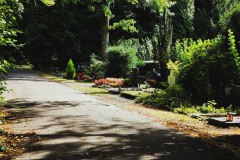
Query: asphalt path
[(77, 126)]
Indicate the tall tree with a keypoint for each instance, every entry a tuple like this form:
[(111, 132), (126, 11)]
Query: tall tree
[(59, 33), (163, 32), (183, 19), (209, 14), (103, 8)]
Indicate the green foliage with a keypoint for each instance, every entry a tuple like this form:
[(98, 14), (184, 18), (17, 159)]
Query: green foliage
[(54, 34), (126, 25), (160, 5), (145, 51), (70, 70), (212, 16), (233, 49), (194, 71), (48, 2), (185, 110), (5, 66), (183, 19), (227, 10), (122, 57), (206, 66), (172, 97), (173, 66), (208, 107), (157, 99), (10, 10), (234, 25), (97, 68), (162, 40)]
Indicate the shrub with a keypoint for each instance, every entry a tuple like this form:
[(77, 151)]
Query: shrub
[(70, 70), (185, 110), (206, 67), (172, 97), (176, 95), (97, 68), (128, 82), (122, 57), (208, 107), (157, 99)]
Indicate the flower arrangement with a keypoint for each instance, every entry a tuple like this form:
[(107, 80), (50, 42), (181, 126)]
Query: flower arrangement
[(113, 82)]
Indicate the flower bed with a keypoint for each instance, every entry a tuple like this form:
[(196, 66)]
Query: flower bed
[(113, 82)]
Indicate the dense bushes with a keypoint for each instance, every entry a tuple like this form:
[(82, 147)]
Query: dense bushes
[(206, 67), (96, 68)]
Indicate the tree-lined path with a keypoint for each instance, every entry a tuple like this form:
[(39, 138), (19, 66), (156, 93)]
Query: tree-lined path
[(77, 126)]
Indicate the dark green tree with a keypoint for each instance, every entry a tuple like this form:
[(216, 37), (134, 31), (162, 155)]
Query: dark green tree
[(183, 19), (56, 34), (162, 39), (210, 15)]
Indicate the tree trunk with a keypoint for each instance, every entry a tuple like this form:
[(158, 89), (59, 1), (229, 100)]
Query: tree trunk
[(105, 36)]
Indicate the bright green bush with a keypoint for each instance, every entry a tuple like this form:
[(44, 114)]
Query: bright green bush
[(185, 110), (172, 97), (208, 107), (206, 66), (70, 70)]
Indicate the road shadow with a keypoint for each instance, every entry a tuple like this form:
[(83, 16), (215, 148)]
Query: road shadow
[(82, 137), (22, 109)]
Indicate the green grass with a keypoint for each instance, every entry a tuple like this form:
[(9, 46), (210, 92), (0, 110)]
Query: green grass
[(91, 90)]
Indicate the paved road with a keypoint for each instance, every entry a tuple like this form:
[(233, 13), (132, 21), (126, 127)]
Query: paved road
[(77, 126)]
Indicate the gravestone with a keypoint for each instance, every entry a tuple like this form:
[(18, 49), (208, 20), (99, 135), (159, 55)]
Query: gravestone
[(134, 77)]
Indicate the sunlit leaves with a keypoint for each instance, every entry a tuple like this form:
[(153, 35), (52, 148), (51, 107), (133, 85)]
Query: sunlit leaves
[(133, 1), (173, 65), (9, 11), (48, 2), (233, 50), (159, 5), (126, 25), (107, 11)]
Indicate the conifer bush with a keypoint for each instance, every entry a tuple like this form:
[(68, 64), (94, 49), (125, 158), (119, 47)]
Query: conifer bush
[(70, 70)]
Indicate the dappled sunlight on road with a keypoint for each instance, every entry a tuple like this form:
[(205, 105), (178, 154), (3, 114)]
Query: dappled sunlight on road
[(78, 126)]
